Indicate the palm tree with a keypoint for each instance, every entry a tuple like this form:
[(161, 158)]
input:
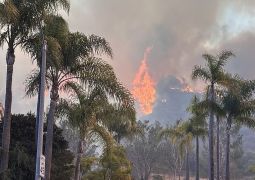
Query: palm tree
[(214, 74), (18, 20), (239, 105), (197, 126), (218, 110), (70, 59), (90, 113), (121, 122), (220, 114)]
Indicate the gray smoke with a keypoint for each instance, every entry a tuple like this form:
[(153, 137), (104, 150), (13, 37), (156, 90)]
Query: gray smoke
[(172, 101)]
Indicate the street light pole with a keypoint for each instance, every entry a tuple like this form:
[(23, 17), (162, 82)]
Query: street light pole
[(39, 173)]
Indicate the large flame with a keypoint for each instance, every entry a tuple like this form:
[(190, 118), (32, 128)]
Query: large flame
[(144, 86)]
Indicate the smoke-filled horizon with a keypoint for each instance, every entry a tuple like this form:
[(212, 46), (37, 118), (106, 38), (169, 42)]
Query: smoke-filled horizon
[(179, 32)]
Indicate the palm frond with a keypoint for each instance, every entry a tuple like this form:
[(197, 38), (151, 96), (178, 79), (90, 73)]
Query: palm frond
[(167, 133), (32, 83), (104, 134), (100, 45), (57, 27), (223, 58), (95, 73), (9, 13), (51, 6), (245, 121), (211, 61), (3, 37), (76, 90), (200, 72)]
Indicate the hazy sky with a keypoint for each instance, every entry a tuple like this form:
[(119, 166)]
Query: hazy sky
[(179, 32)]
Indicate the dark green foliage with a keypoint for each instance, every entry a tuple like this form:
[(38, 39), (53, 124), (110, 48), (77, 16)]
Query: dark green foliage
[(23, 150), (112, 165), (62, 167)]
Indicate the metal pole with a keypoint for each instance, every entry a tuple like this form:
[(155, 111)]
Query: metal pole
[(41, 113), (37, 113)]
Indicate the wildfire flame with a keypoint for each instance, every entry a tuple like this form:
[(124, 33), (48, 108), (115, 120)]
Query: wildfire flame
[(186, 87), (144, 87)]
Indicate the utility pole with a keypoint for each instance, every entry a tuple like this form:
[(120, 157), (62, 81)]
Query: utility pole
[(40, 159), (1, 111)]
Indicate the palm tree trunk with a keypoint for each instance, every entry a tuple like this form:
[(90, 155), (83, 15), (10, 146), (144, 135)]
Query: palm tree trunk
[(197, 158), (180, 167), (78, 160), (210, 134), (49, 136), (6, 137), (227, 175), (187, 164), (218, 150)]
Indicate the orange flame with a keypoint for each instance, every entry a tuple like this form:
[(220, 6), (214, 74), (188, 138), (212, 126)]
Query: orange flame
[(186, 87), (144, 87)]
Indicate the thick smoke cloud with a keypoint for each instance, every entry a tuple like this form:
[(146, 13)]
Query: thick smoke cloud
[(179, 31), (172, 101), (176, 30), (243, 47)]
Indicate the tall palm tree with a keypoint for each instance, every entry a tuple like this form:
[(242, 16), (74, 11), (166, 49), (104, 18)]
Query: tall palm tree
[(239, 104), (18, 20), (69, 59), (213, 73), (90, 70), (197, 126), (220, 115), (88, 113), (218, 110)]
